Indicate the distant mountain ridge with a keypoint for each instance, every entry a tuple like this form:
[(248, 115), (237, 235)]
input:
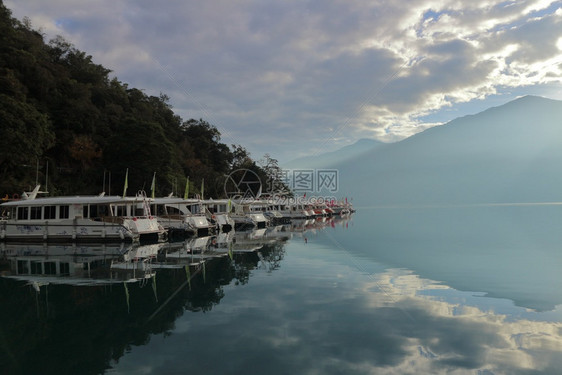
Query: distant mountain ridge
[(510, 153), (434, 203), (328, 159)]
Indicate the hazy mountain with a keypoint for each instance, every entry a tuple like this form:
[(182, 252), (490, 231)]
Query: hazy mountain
[(329, 159), (507, 154), (510, 153)]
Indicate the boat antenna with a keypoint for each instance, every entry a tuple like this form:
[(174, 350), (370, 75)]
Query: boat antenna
[(47, 177)]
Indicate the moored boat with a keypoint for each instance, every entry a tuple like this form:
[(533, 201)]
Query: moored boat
[(295, 212), (182, 216), (247, 215), (218, 210), (78, 218)]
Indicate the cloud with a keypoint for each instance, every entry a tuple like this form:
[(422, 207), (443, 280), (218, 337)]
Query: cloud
[(269, 75)]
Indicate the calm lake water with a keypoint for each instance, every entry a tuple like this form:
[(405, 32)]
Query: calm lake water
[(426, 290)]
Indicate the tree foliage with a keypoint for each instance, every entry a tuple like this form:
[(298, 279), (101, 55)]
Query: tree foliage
[(58, 106)]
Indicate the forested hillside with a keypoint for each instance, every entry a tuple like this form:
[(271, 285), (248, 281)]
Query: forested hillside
[(61, 111)]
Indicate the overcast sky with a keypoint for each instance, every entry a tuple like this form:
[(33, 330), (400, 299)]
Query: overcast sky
[(291, 78)]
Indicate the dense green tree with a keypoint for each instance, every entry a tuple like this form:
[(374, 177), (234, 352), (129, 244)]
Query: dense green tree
[(25, 136), (143, 148)]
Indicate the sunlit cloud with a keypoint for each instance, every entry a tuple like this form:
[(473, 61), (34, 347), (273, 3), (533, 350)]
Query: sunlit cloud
[(362, 69)]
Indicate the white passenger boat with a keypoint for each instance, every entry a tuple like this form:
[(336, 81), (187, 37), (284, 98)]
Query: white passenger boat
[(269, 210), (182, 215), (296, 211), (218, 210), (342, 208), (78, 218), (247, 215)]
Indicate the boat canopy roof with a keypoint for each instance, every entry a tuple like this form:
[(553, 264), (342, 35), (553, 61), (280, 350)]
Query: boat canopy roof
[(216, 201), (87, 199), (173, 200)]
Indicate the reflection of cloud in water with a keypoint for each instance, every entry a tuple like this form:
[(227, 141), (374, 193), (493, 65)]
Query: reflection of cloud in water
[(339, 322), (440, 334)]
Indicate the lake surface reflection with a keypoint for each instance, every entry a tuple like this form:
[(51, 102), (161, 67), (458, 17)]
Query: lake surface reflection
[(464, 290)]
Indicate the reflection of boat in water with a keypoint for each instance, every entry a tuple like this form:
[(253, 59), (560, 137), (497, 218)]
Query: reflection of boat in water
[(12, 249), (300, 225), (250, 241), (278, 232), (190, 252), (71, 264), (192, 276), (94, 263), (136, 263)]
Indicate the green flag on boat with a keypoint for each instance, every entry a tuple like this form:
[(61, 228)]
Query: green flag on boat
[(153, 185), (126, 183), (186, 193)]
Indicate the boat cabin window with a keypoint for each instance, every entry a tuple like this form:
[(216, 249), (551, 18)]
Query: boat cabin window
[(222, 208), (99, 211), (120, 210), (173, 210), (50, 268), (157, 209), (103, 210), (35, 267), (50, 212), (35, 213), (63, 212), (64, 268), (160, 210), (194, 209), (139, 211), (85, 211), (23, 266), (23, 213)]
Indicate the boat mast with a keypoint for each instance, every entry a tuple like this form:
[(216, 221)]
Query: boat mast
[(47, 177)]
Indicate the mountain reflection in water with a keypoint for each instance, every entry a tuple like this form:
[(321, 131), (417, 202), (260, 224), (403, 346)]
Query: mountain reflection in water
[(310, 299)]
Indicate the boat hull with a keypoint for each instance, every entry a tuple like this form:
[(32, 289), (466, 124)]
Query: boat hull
[(80, 230), (65, 231)]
